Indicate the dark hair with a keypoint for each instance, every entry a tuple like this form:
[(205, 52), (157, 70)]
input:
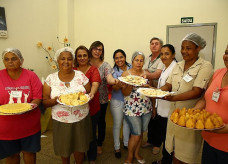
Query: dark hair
[(156, 38), (171, 48), (76, 51), (94, 45), (123, 53)]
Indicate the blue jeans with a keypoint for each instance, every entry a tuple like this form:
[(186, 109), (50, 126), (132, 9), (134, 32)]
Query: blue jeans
[(116, 107), (138, 124)]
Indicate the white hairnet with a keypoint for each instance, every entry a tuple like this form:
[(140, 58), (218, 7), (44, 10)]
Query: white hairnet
[(14, 51), (195, 38), (136, 53), (65, 49)]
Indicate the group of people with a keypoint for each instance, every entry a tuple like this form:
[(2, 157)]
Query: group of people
[(81, 130)]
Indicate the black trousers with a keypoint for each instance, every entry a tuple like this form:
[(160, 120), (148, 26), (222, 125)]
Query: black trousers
[(154, 132), (92, 152), (102, 124), (162, 126), (213, 156)]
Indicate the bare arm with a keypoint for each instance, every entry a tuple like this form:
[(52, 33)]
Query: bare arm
[(154, 75), (192, 94), (111, 80), (47, 101), (166, 87), (201, 104), (87, 87), (126, 89), (94, 89), (36, 101)]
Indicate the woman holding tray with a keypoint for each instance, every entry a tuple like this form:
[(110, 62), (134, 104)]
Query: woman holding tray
[(167, 57), (21, 132), (82, 64), (72, 130), (96, 51), (117, 102), (215, 149), (189, 79), (137, 111)]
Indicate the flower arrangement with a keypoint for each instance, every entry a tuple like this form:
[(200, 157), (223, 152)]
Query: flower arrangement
[(51, 52)]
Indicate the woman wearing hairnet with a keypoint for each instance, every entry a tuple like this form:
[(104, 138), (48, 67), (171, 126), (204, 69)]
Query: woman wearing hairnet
[(19, 133), (188, 80), (72, 130)]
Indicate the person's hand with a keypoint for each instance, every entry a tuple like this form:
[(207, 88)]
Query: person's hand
[(168, 98), (220, 131), (146, 86), (55, 100), (119, 84), (91, 95), (145, 75), (116, 81), (154, 112)]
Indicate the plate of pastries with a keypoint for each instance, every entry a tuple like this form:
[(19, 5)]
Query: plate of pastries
[(133, 80), (149, 92), (16, 108), (73, 99), (196, 119)]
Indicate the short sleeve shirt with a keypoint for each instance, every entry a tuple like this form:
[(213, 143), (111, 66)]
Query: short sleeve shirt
[(187, 143), (14, 127), (63, 113), (216, 140), (152, 66), (104, 70)]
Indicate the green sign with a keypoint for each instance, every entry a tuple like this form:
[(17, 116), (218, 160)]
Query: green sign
[(187, 20)]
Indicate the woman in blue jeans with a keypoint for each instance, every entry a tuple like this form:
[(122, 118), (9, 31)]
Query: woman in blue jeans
[(117, 102), (137, 111)]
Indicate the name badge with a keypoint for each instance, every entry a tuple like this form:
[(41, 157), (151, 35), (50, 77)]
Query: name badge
[(215, 96), (187, 78), (16, 94)]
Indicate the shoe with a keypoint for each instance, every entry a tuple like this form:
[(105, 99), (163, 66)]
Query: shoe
[(141, 161), (127, 162), (156, 162), (117, 154), (92, 162), (126, 147), (155, 150), (146, 145), (99, 150)]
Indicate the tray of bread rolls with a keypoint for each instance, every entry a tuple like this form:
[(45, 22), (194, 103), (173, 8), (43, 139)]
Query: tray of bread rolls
[(16, 108), (73, 99), (196, 119)]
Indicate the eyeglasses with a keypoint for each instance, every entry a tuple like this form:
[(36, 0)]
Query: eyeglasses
[(98, 49)]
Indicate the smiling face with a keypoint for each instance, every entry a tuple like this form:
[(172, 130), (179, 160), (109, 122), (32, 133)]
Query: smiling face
[(65, 61), (120, 59), (97, 52), (11, 61), (155, 46), (82, 57), (189, 51), (138, 62), (166, 56), (225, 57)]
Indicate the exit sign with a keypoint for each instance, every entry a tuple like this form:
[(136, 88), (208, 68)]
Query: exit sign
[(187, 20)]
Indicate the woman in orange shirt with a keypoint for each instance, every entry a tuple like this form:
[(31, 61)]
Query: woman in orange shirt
[(215, 149)]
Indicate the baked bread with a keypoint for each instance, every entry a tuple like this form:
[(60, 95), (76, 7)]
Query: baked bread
[(196, 119), (15, 108)]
